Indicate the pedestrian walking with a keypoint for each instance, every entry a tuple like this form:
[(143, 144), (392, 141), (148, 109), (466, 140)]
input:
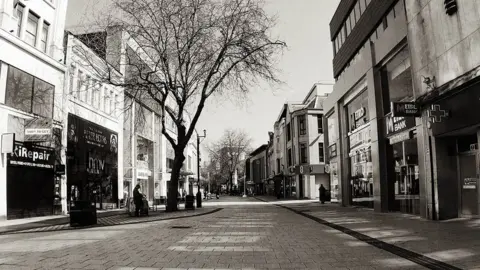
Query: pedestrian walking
[(323, 193), (137, 199)]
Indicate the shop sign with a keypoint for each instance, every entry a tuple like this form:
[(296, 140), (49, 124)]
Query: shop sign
[(38, 130), (401, 137), (405, 109), (143, 174), (360, 137), (470, 183), (398, 124), (332, 150), (359, 114), (32, 156)]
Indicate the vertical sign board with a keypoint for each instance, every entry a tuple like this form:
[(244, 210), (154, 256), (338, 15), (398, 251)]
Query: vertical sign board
[(8, 142)]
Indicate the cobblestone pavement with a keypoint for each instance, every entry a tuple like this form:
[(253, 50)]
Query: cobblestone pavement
[(119, 219), (237, 237), (456, 242)]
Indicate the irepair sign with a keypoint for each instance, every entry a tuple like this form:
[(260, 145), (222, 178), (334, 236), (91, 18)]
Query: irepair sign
[(28, 155)]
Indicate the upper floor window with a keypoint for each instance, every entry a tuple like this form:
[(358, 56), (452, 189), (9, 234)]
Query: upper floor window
[(189, 163), (19, 12), (303, 153), (302, 126), (289, 157), (71, 79), (321, 153), (28, 93), (320, 123), (31, 29), (289, 133), (44, 37)]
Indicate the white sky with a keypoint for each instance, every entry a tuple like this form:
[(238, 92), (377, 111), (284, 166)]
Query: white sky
[(304, 26)]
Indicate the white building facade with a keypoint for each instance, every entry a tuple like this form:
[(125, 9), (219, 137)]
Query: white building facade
[(31, 95), (94, 115)]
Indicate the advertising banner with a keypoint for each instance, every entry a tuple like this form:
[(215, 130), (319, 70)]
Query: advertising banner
[(92, 153)]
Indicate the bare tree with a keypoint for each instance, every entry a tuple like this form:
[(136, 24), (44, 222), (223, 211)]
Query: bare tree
[(188, 51), (229, 152)]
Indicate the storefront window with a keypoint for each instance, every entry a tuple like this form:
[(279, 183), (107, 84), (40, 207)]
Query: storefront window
[(405, 155), (357, 111)]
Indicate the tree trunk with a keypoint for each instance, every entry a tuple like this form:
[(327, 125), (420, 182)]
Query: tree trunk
[(174, 177)]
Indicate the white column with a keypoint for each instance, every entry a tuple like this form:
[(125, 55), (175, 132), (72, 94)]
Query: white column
[(26, 11), (39, 33), (3, 169)]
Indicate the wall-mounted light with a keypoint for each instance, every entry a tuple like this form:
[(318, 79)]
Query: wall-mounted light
[(450, 7), (430, 82)]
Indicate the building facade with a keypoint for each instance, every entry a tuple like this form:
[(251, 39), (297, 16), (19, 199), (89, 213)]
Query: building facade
[(373, 155), (445, 74), (31, 100), (93, 115), (258, 170)]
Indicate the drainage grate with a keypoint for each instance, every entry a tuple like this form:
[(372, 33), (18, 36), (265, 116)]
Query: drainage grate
[(181, 227)]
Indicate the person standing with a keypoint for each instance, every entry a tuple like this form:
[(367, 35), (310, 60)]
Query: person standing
[(323, 194), (138, 200)]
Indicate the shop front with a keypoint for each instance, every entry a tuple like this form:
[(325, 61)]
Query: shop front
[(454, 123), (92, 163), (401, 135), (30, 181), (359, 151)]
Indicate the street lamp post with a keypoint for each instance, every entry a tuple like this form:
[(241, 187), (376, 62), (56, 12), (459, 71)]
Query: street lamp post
[(198, 158)]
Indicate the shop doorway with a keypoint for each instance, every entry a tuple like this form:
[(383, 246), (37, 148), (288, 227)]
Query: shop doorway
[(30, 192), (469, 183)]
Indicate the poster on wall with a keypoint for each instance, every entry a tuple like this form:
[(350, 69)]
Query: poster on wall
[(92, 161)]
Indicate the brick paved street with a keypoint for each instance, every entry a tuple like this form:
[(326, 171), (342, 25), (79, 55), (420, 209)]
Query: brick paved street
[(250, 236)]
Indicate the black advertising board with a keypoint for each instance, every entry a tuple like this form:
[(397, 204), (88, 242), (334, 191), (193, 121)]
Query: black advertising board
[(405, 109), (29, 155), (92, 154), (395, 125), (457, 112)]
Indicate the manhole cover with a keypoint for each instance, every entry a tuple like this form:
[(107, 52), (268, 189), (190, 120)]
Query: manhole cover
[(181, 227)]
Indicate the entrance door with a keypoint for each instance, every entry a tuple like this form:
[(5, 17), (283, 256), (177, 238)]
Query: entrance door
[(469, 184)]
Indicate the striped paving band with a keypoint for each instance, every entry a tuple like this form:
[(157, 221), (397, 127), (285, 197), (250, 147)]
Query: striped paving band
[(401, 252)]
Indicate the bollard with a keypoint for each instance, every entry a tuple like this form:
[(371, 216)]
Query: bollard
[(199, 199)]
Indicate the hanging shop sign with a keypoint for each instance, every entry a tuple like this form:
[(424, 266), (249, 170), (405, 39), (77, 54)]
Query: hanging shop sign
[(28, 155), (398, 124), (360, 137), (332, 150), (405, 109), (404, 136)]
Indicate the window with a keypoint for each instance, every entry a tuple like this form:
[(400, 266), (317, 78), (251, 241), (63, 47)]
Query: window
[(358, 11), (29, 94), (289, 133), (362, 6), (189, 163), (79, 83), (321, 153), (106, 102), (289, 157), (349, 26), (385, 23), (115, 103), (112, 102), (31, 31), (303, 153), (302, 127), (44, 37), (42, 98), (88, 90), (320, 123), (71, 79), (19, 12)]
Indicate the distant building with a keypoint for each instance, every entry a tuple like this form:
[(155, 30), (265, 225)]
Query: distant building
[(258, 169)]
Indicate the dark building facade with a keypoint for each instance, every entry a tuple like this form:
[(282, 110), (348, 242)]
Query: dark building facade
[(372, 155)]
